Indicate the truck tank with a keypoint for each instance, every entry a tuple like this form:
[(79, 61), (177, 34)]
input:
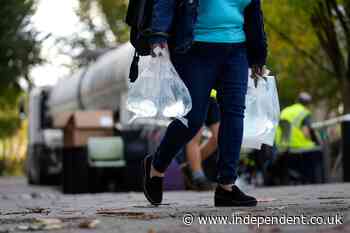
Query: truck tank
[(101, 85)]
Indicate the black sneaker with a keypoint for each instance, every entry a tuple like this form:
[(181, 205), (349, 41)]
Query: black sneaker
[(234, 198), (152, 187)]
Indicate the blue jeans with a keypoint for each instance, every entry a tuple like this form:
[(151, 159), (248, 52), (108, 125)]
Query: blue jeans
[(203, 67)]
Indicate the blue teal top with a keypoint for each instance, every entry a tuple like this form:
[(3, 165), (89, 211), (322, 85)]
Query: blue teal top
[(220, 21)]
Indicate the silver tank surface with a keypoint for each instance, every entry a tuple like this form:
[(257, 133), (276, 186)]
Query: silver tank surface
[(99, 86)]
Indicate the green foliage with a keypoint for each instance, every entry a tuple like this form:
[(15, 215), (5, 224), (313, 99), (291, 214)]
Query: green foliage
[(18, 48), (286, 27), (19, 51), (112, 13), (13, 151), (306, 44), (12, 167), (104, 21), (9, 116)]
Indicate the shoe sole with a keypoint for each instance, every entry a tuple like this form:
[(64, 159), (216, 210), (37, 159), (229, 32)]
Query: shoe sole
[(225, 203), (144, 184)]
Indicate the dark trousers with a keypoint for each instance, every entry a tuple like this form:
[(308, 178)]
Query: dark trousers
[(205, 66)]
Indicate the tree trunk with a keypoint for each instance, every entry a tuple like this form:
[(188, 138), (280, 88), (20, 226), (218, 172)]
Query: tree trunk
[(346, 95)]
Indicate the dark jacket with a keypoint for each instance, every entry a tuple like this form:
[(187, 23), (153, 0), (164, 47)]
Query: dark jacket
[(173, 22)]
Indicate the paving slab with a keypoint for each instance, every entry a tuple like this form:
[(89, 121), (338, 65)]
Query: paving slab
[(324, 208)]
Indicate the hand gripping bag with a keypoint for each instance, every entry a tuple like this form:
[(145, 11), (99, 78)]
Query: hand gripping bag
[(159, 92)]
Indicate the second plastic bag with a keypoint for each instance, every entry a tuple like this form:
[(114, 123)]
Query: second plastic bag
[(159, 92), (261, 114)]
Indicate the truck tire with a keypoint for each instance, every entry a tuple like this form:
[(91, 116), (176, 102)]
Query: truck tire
[(36, 174)]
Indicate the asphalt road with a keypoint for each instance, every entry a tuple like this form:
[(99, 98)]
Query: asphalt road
[(44, 209)]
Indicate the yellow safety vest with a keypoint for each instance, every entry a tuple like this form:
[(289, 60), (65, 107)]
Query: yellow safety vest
[(295, 115), (213, 93)]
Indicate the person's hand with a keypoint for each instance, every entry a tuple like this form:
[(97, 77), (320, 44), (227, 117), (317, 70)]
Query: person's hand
[(163, 45), (258, 72)]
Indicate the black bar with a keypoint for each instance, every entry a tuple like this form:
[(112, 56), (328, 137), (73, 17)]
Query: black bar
[(75, 170), (346, 150)]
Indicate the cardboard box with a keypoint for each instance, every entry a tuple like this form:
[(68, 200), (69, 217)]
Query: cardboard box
[(79, 126)]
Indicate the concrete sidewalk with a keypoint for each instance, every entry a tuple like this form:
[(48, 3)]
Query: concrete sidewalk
[(21, 206)]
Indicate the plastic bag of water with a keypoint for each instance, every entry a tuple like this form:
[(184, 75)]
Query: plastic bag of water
[(159, 92), (261, 114)]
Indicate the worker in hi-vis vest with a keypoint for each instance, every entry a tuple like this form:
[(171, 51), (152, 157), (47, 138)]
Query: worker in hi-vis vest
[(297, 117), (295, 137)]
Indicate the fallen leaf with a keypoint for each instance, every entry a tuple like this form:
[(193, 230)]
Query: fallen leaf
[(331, 198), (38, 210), (48, 221), (277, 207), (267, 199), (29, 211), (36, 227), (129, 214), (66, 212), (53, 227), (23, 228), (89, 224), (47, 224), (109, 211)]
